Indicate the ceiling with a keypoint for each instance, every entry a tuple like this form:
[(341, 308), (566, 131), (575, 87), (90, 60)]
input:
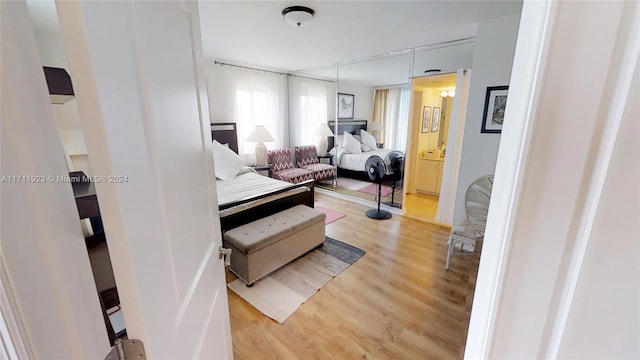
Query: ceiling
[(254, 32)]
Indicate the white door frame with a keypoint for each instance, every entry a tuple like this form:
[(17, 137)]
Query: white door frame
[(530, 258), (49, 300)]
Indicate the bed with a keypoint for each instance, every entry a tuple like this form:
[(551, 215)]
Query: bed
[(249, 196), (353, 164)]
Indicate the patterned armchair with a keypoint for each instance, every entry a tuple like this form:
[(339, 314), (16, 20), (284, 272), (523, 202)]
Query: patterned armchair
[(307, 158), (283, 168)]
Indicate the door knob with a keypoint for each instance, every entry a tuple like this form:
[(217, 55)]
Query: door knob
[(226, 254)]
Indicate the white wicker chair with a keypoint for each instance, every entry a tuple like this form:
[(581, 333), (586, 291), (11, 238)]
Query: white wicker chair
[(476, 202)]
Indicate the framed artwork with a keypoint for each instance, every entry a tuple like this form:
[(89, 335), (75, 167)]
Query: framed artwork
[(495, 103), (345, 106), (426, 119), (435, 123)]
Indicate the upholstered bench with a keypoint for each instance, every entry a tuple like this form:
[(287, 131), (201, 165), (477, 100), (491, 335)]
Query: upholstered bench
[(264, 245)]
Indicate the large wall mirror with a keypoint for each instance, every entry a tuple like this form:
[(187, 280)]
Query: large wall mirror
[(388, 97), (372, 120)]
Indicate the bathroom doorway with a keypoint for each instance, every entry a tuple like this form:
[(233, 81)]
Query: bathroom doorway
[(432, 106)]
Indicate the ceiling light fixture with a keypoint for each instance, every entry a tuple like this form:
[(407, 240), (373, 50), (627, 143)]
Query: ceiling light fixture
[(297, 15)]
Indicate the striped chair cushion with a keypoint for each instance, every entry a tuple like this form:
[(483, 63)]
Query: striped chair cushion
[(293, 175), (321, 171)]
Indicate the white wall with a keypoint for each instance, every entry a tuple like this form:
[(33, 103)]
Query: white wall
[(363, 100), (492, 62), (51, 48)]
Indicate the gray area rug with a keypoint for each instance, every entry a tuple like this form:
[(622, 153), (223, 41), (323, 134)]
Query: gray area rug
[(281, 293)]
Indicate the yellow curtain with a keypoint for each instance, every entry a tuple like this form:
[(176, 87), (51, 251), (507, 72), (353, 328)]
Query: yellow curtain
[(380, 110)]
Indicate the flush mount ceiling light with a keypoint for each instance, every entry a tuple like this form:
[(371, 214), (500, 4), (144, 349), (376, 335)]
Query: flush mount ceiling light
[(297, 15)]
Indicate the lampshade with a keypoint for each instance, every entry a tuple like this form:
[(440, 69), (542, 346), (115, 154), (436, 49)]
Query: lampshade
[(260, 134), (375, 126), (323, 130), (297, 15)]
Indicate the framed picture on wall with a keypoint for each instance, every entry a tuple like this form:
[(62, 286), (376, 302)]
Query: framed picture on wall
[(435, 122), (426, 119), (345, 106), (495, 104)]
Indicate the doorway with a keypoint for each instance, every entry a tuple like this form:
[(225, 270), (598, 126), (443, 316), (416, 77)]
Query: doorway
[(432, 106)]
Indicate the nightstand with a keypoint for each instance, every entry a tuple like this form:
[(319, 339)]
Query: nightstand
[(259, 168), (326, 156)]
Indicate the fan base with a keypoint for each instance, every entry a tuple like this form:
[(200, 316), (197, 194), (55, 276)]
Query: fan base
[(378, 214)]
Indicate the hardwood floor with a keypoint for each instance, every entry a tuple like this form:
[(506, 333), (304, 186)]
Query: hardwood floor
[(421, 207), (396, 302)]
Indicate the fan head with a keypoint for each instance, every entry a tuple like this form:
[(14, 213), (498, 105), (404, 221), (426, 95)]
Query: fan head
[(375, 168), (394, 161)]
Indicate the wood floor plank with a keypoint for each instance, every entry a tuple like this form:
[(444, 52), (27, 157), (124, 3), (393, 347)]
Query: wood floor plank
[(396, 302)]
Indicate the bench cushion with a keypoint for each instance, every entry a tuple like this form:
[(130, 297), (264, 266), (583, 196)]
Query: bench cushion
[(258, 234)]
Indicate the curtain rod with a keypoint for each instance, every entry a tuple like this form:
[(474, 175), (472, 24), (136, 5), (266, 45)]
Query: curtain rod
[(269, 71)]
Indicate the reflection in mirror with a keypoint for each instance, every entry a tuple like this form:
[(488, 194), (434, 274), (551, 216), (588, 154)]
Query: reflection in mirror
[(447, 57), (432, 107), (312, 107), (373, 112)]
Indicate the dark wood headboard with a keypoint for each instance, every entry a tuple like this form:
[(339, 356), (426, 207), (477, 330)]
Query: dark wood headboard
[(351, 126), (225, 133)]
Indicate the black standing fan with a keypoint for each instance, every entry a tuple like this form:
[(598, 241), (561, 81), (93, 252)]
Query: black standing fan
[(376, 171), (395, 167)]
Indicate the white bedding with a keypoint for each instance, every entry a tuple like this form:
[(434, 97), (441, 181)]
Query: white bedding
[(246, 185), (356, 162)]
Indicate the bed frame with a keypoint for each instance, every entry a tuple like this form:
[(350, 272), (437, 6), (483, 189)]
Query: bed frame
[(226, 133), (353, 127)]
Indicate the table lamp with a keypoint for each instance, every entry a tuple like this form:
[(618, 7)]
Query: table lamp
[(322, 131), (260, 135)]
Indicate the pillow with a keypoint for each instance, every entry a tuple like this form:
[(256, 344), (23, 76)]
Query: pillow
[(350, 144), (339, 140), (357, 137), (368, 139), (365, 148), (226, 163)]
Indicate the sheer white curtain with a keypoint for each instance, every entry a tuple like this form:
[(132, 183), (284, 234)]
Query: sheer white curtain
[(397, 118), (451, 169), (249, 98), (311, 102)]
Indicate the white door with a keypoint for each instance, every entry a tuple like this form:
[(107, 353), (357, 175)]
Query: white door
[(137, 69)]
